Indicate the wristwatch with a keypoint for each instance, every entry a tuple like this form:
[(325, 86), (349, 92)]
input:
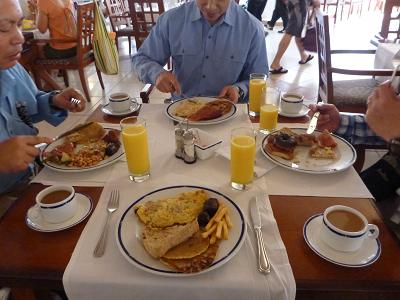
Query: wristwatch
[(51, 98), (240, 92)]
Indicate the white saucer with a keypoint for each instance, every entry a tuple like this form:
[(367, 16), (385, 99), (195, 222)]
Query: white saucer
[(368, 253), (304, 110), (36, 222), (108, 111)]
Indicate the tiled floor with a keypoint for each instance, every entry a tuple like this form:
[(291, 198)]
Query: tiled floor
[(354, 33)]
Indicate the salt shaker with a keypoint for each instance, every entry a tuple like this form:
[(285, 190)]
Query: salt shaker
[(189, 155), (179, 131)]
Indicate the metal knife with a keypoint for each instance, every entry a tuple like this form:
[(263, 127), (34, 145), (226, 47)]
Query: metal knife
[(313, 123), (264, 265)]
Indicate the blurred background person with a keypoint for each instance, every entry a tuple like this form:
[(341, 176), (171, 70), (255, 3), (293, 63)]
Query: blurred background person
[(256, 7), (280, 11)]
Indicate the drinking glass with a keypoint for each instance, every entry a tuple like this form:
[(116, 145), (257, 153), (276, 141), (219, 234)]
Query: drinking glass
[(257, 90), (134, 137), (243, 152), (269, 110)]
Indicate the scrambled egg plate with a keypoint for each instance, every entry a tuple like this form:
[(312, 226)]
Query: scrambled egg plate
[(181, 209), (188, 107)]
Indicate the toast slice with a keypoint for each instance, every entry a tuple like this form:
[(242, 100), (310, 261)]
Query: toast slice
[(157, 241), (285, 154), (212, 110)]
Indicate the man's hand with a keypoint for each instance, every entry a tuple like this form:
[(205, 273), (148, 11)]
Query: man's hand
[(230, 92), (383, 113), (166, 82), (328, 119), (63, 100), (23, 152)]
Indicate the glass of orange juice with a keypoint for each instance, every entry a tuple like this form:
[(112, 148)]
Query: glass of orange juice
[(257, 90), (134, 138), (243, 152), (269, 110)]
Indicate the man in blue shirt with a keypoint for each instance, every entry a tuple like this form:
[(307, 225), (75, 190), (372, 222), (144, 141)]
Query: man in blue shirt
[(215, 45), (380, 125), (21, 103)]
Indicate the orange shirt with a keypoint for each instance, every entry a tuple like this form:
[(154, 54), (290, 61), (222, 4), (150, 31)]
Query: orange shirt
[(61, 22)]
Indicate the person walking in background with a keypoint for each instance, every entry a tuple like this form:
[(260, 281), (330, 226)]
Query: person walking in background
[(297, 10), (256, 8), (280, 11)]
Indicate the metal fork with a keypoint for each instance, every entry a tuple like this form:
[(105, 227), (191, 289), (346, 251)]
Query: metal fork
[(111, 207), (75, 101)]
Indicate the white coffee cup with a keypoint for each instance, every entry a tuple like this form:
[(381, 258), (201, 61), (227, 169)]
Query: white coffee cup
[(291, 103), (57, 203), (120, 102), (344, 228)]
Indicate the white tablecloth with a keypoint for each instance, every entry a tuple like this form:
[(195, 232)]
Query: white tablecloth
[(111, 277)]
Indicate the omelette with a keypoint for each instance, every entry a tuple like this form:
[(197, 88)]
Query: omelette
[(188, 107), (180, 209)]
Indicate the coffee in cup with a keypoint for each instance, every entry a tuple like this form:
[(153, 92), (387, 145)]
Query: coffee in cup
[(291, 103), (57, 203), (120, 102), (345, 228)]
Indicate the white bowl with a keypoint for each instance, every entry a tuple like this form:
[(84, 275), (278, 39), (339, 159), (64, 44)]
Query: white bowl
[(205, 143)]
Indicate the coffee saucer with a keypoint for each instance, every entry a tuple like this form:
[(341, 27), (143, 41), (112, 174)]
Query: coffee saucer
[(368, 253), (304, 110), (35, 221), (108, 111)]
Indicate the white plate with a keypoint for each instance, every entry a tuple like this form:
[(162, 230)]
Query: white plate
[(170, 110), (346, 156), (108, 111), (304, 110), (36, 222), (128, 234), (368, 253), (63, 168)]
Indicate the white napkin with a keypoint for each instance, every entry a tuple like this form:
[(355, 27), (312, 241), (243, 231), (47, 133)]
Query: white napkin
[(112, 277)]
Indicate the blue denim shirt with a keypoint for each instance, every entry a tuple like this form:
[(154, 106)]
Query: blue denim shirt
[(205, 58), (16, 86)]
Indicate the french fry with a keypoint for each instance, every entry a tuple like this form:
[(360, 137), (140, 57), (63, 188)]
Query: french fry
[(209, 231), (220, 214), (228, 221), (213, 239), (224, 229), (210, 223), (219, 230)]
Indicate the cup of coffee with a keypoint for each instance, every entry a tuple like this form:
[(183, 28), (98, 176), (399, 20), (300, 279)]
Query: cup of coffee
[(57, 203), (345, 228), (291, 103), (120, 102)]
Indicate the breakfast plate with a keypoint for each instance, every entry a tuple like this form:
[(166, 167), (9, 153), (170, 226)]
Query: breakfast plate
[(304, 110), (63, 168), (346, 156), (108, 110), (171, 109), (368, 253), (36, 222), (128, 233)]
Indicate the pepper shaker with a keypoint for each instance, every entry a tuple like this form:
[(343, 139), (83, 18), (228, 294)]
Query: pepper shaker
[(179, 151), (189, 155)]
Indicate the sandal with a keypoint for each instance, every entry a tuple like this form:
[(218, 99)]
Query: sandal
[(310, 57), (280, 70)]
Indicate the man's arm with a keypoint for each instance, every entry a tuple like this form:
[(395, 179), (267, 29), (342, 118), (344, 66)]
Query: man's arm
[(154, 53)]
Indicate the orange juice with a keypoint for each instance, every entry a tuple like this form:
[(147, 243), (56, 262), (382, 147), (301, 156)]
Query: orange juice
[(268, 117), (257, 90), (243, 151), (136, 149)]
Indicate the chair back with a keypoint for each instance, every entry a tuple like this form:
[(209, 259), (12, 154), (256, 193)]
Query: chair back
[(325, 92), (118, 13), (144, 14), (85, 21)]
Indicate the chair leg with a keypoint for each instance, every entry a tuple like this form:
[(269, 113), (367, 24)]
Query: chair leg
[(100, 78), (84, 85), (65, 76), (130, 45)]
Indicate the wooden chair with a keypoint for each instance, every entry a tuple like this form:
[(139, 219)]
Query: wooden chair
[(390, 27), (121, 21), (348, 95), (84, 55), (144, 14)]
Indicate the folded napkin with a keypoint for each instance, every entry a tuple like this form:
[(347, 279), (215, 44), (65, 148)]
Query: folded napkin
[(112, 277)]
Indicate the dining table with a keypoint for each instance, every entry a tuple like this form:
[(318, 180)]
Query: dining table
[(33, 262)]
